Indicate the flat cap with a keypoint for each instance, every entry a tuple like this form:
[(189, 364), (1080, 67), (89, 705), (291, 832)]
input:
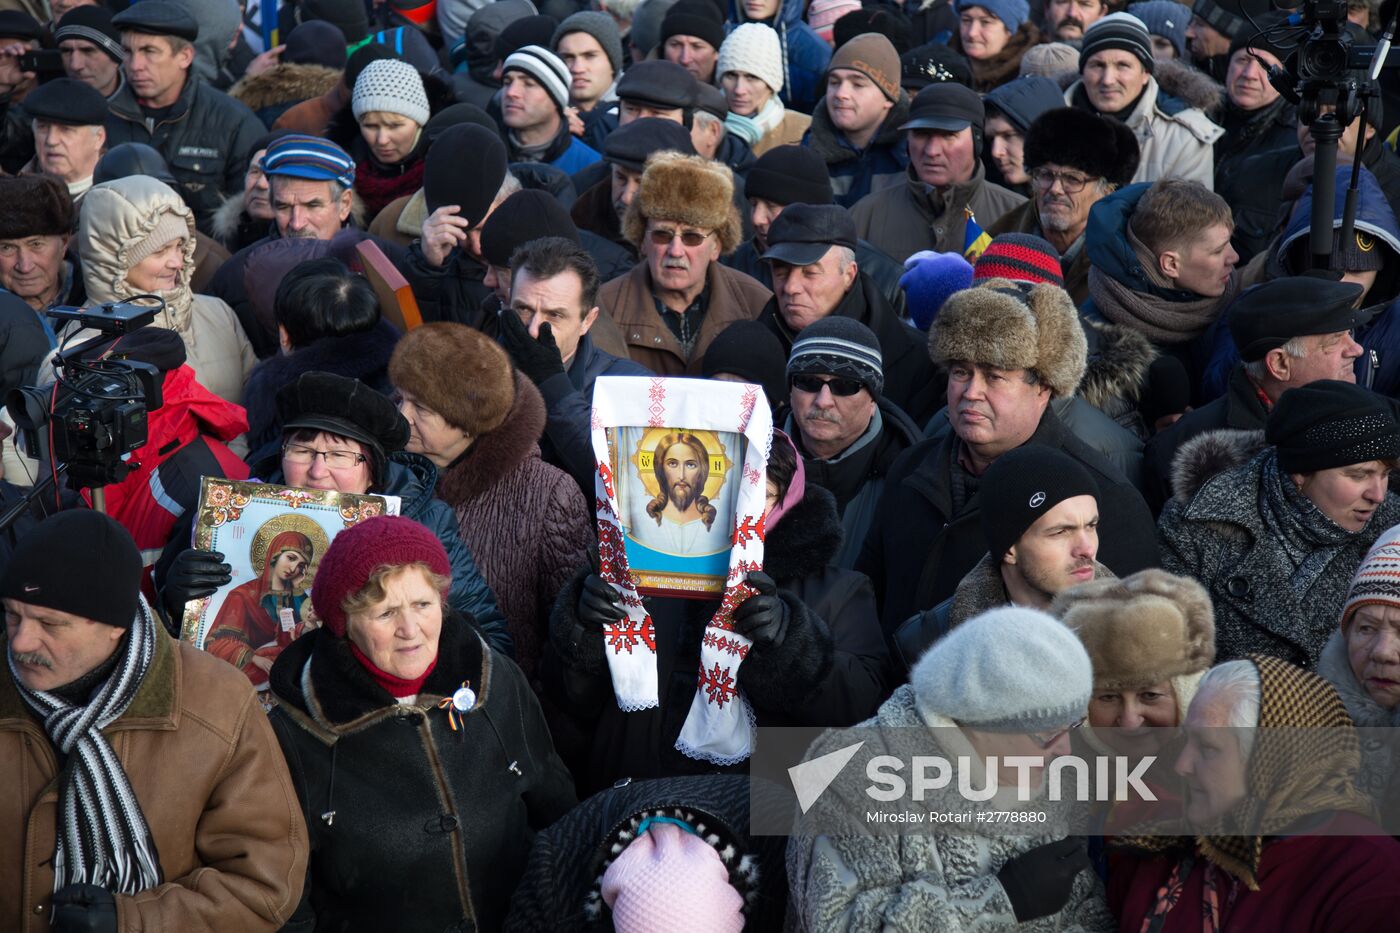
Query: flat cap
[(946, 107), (803, 233), (158, 18), (658, 83), (629, 146), (711, 100), (66, 101), (1267, 316), (16, 24)]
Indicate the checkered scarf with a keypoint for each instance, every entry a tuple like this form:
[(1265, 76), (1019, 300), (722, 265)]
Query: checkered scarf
[(103, 838)]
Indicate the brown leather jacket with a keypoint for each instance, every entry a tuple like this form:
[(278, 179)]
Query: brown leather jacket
[(627, 301), (204, 764)]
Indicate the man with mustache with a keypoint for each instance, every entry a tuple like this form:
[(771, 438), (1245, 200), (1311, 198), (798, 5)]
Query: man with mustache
[(1073, 159), (1009, 350), (1042, 531), (1066, 20), (144, 783), (845, 428)]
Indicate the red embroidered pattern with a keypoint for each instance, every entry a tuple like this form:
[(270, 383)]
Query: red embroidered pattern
[(627, 634), (725, 644), (718, 684), (746, 406), (657, 409)]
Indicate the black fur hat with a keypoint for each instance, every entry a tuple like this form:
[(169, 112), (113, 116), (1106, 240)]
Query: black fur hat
[(1097, 146)]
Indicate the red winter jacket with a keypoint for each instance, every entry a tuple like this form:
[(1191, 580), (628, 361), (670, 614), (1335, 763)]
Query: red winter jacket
[(184, 442), (1306, 883)]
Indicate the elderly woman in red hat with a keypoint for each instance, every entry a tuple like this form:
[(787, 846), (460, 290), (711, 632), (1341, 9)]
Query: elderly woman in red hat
[(421, 757)]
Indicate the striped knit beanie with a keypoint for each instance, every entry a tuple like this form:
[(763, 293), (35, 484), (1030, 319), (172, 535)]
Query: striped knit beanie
[(389, 85), (1377, 580), (1122, 31), (299, 156), (1021, 257), (546, 68), (839, 346)]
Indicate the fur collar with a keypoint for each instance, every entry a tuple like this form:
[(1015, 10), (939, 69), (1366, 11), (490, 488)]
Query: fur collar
[(1118, 365), (284, 83), (228, 219), (982, 589), (826, 140), (1189, 85), (1334, 667), (807, 538), (319, 682), (495, 455), (1202, 458), (156, 699)]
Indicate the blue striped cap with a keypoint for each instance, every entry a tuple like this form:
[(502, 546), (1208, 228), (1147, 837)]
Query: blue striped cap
[(299, 156)]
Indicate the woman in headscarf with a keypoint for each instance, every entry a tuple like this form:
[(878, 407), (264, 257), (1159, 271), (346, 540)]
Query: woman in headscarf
[(421, 758), (265, 613), (136, 237)]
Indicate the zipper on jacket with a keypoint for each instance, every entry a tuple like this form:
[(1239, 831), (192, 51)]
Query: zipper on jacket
[(1372, 367)]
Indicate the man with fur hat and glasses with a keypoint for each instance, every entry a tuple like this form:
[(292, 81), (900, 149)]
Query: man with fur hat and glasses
[(1042, 531), (674, 302), (1008, 351), (1074, 159), (145, 788)]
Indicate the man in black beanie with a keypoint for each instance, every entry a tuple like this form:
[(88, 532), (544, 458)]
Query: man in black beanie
[(91, 48), (797, 175), (691, 34), (141, 822), (1042, 538)]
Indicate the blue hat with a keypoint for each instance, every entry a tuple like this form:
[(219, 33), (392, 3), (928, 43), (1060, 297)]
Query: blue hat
[(1012, 13), (1165, 19), (298, 156)]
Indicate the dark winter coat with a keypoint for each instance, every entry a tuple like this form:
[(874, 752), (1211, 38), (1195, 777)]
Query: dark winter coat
[(524, 520), (566, 152), (1248, 133), (904, 219), (363, 356), (593, 212), (414, 825), (830, 669), (1025, 219), (883, 270), (856, 478), (805, 55), (1215, 530), (857, 172), (23, 343), (920, 547), (206, 140), (910, 379), (566, 864)]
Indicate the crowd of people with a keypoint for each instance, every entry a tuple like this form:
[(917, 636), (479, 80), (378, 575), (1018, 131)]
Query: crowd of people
[(1081, 444)]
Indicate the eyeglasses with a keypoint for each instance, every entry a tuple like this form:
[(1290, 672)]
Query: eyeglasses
[(690, 238), (1073, 183), (838, 386), (335, 459), (1046, 739)]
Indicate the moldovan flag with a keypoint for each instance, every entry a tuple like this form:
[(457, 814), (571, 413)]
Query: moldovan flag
[(975, 240)]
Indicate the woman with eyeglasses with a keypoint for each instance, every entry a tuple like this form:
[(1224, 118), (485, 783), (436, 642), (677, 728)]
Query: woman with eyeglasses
[(339, 434)]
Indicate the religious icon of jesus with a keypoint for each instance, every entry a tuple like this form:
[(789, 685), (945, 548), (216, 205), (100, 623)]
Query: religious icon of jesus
[(680, 518)]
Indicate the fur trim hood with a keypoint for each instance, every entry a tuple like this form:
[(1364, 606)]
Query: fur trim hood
[(825, 139), (1000, 324), (1190, 86), (286, 83), (689, 190), (1334, 666), (1117, 365), (1142, 629), (1208, 455)]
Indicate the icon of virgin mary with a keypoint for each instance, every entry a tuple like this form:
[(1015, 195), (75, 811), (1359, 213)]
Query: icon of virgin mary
[(261, 617)]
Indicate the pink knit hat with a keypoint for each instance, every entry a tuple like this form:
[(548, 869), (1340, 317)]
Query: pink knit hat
[(358, 552), (670, 879), (823, 14)]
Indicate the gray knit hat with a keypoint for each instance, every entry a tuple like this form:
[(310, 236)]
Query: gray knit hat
[(600, 26), (839, 346), (1007, 670), (390, 85), (546, 68)]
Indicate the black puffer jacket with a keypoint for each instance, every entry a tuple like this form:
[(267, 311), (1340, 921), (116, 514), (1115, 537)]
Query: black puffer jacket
[(830, 670), (414, 825), (207, 140), (558, 892)]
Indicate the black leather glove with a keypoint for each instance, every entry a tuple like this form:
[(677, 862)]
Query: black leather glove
[(538, 358), (1038, 883), (598, 604), (193, 573), (83, 908), (763, 618)]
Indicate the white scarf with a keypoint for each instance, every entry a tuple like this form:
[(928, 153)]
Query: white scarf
[(719, 726)]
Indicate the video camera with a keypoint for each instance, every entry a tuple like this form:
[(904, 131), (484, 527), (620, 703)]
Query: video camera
[(95, 413)]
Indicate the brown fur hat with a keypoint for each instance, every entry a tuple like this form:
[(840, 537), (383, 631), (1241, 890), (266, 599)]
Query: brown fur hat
[(458, 372), (1141, 630), (685, 189), (35, 205), (998, 323)]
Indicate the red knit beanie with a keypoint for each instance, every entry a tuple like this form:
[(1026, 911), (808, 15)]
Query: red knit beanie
[(356, 553), (1020, 257)]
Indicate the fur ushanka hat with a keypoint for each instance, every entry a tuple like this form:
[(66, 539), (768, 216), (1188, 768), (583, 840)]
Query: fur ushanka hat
[(458, 372), (1000, 324), (1100, 147), (685, 189), (1142, 630)]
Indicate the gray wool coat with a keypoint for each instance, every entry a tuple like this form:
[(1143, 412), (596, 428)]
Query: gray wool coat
[(1217, 534)]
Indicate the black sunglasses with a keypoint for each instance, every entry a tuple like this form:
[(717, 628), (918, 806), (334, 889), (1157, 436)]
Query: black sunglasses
[(837, 385)]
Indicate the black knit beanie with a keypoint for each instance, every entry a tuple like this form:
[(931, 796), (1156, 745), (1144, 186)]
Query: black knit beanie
[(750, 350), (527, 215), (83, 546), (789, 175), (1027, 483), (444, 181), (1330, 423)]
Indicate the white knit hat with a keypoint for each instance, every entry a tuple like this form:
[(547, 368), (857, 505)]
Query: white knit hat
[(390, 86), (545, 67), (754, 49), (1007, 670)]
